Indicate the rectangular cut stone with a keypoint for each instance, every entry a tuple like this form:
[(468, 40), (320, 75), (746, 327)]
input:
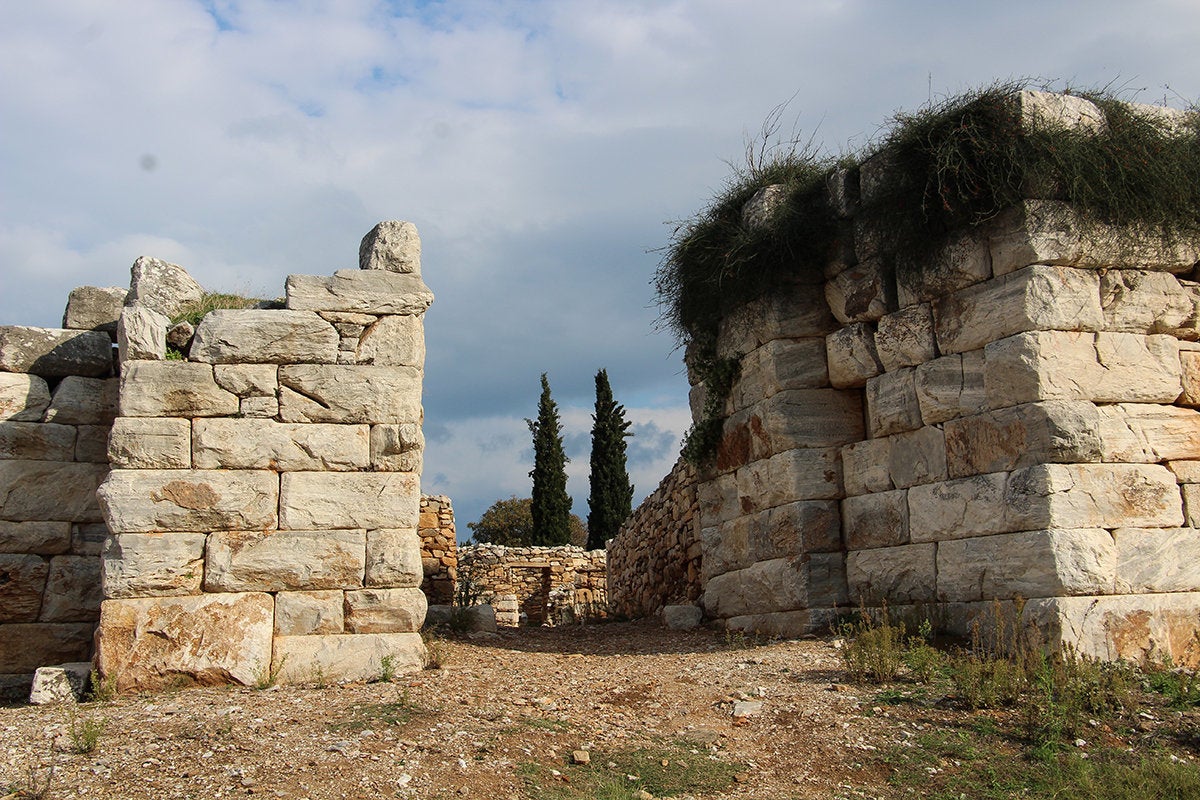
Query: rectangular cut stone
[(173, 389), (150, 643), (152, 564), (865, 466), (142, 334), (23, 398), (308, 613), (24, 583), (905, 338), (1053, 431), (852, 355), (806, 526), (791, 312), (262, 336), (150, 443), (1191, 503), (341, 500), (875, 520), (35, 441), (72, 590), (26, 646), (357, 657), (259, 407), (863, 292), (718, 499), (393, 558), (800, 474), (91, 444), (786, 624), (279, 446), (1149, 433), (88, 538), (350, 394), (951, 386), (904, 574), (892, 405), (385, 610), (92, 308), (1139, 301), (1185, 471), (917, 457), (958, 509), (362, 291), (153, 500), (780, 364), (393, 341), (1133, 627), (84, 401), (796, 418), (963, 259), (248, 380), (43, 538), (1034, 299), (55, 352), (1094, 495), (1102, 367), (397, 448), (1027, 564), (50, 490), (277, 561), (781, 584), (1157, 560), (1189, 365)]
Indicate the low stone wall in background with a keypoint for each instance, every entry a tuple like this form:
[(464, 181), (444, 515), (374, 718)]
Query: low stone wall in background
[(439, 549), (551, 585)]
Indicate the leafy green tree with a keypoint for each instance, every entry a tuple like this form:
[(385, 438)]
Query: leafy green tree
[(507, 522), (611, 498), (551, 503)]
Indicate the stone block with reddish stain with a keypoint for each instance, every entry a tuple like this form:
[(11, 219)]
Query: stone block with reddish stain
[(1132, 627), (146, 500), (385, 610), (273, 561)]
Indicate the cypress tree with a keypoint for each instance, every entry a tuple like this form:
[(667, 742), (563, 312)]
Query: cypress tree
[(551, 503), (610, 500)]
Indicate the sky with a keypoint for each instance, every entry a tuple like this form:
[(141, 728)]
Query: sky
[(543, 148)]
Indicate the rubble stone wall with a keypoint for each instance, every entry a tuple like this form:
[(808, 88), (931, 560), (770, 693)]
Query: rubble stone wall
[(439, 549), (655, 558), (546, 584)]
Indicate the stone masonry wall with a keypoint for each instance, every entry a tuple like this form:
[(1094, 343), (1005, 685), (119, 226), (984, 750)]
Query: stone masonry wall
[(655, 559), (548, 584), (439, 549), (1014, 420)]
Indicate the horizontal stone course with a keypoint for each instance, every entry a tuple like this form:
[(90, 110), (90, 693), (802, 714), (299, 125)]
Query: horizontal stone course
[(148, 501), (361, 291), (153, 564), (24, 496), (350, 394), (173, 389), (1047, 563), (276, 561), (275, 336), (284, 447), (347, 500), (55, 352)]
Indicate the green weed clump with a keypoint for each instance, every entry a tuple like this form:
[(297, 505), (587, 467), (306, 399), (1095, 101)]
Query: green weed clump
[(213, 301)]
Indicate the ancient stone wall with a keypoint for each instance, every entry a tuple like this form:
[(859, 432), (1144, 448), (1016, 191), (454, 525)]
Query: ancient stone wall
[(655, 559), (439, 549), (545, 584)]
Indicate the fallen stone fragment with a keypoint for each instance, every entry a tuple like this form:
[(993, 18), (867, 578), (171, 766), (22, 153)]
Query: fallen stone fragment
[(64, 683)]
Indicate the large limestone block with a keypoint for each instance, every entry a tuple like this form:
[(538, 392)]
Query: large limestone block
[(961, 508), (393, 341), (150, 643), (892, 405), (277, 561), (917, 457), (865, 466), (1053, 431), (23, 398), (782, 584), (343, 500), (150, 443), (1149, 433), (152, 564), (1139, 301), (24, 580), (951, 386), (142, 334), (397, 448), (164, 287), (362, 291), (173, 389), (852, 355), (1053, 111), (796, 418), (1189, 365), (863, 292), (92, 308), (26, 646), (37, 441), (1157, 560), (50, 490), (392, 245), (385, 610), (350, 394), (903, 574), (38, 536), (805, 526), (1027, 564), (55, 352), (393, 558), (72, 590), (357, 657), (875, 520), (154, 500), (718, 499), (1036, 298), (253, 336), (84, 401), (781, 364), (905, 338), (1062, 365), (790, 313), (1132, 627), (279, 446), (1094, 496), (248, 380), (308, 613), (801, 474), (92, 444), (962, 260)]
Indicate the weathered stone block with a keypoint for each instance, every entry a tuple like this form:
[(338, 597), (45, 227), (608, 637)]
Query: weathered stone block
[(790, 313), (65, 683), (393, 558), (149, 643), (1191, 503), (394, 341), (167, 288), (786, 624), (1189, 365), (150, 443), (956, 509), (142, 334), (279, 446), (87, 538), (55, 352), (1027, 564), (26, 646), (277, 561), (863, 292), (173, 389), (1132, 627), (904, 574), (892, 405), (91, 444), (1053, 431), (308, 613), (852, 355), (50, 490), (397, 448), (248, 380), (393, 246), (153, 500), (357, 657), (1157, 560), (1139, 301), (84, 401), (385, 610), (865, 466), (917, 457), (1094, 496), (962, 260), (35, 441), (718, 499), (1102, 367), (1148, 433), (801, 474), (91, 308), (22, 581), (152, 564), (1036, 298), (1042, 111), (905, 338), (43, 538), (796, 418), (23, 398), (780, 364), (350, 394), (804, 526), (252, 336), (342, 500), (782, 584), (875, 520), (72, 590), (362, 291)]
